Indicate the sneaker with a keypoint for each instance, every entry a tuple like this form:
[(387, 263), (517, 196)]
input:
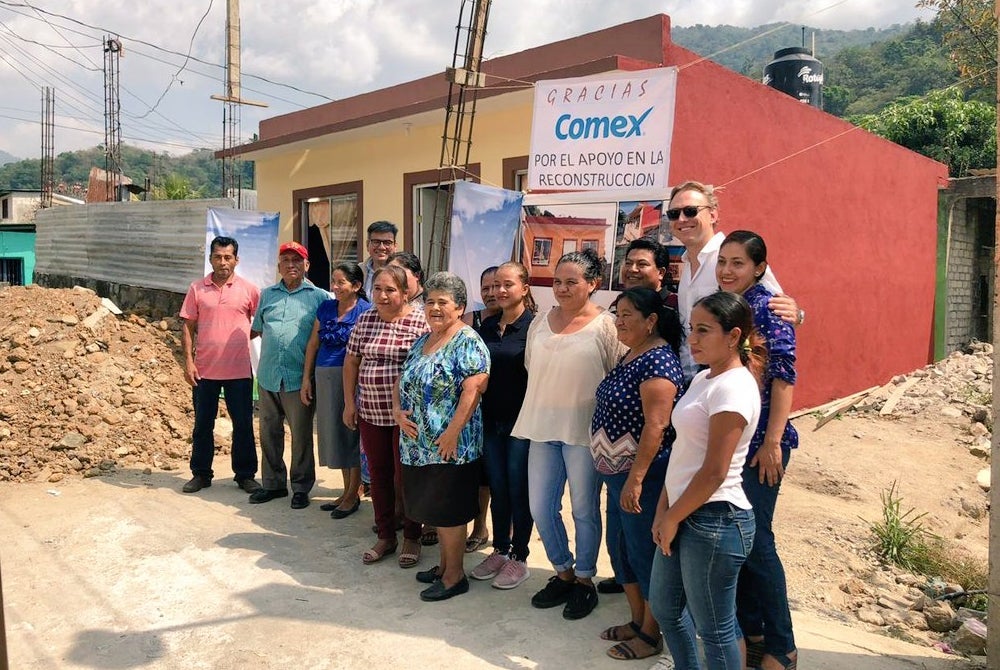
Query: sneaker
[(512, 574), (665, 662), (490, 567), (555, 593), (582, 601)]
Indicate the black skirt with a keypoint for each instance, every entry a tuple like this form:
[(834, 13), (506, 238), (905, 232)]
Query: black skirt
[(442, 494)]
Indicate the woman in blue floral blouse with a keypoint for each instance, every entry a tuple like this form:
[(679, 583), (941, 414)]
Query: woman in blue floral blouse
[(338, 445), (761, 595), (436, 405)]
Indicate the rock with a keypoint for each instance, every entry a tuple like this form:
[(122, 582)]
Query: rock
[(978, 430), (92, 472), (964, 613), (111, 418), (75, 464), (915, 620), (939, 617), (970, 638), (92, 348), (891, 601), (983, 479), (951, 412), (854, 587), (69, 319), (21, 367), (71, 440), (18, 354), (981, 449), (869, 615), (34, 333)]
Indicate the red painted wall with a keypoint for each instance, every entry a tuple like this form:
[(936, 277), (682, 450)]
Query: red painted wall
[(850, 221)]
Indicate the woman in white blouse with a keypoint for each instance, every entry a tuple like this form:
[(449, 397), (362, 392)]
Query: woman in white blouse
[(569, 351)]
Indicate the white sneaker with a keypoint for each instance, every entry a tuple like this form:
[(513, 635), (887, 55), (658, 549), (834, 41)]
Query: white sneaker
[(490, 567), (512, 574), (665, 662)]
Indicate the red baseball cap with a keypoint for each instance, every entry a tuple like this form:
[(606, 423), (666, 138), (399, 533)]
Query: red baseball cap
[(296, 247)]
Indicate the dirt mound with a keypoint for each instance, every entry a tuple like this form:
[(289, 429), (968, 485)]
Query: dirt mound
[(83, 391)]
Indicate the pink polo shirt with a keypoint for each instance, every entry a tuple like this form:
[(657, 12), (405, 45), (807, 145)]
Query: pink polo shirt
[(223, 315)]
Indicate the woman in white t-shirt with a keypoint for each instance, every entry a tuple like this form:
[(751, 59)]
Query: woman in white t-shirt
[(704, 525), (569, 351)]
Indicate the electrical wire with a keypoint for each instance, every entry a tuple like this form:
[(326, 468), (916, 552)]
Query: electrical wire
[(187, 59)]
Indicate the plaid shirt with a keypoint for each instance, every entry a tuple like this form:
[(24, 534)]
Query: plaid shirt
[(382, 347)]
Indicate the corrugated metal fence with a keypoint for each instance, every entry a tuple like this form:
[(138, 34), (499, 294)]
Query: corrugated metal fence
[(157, 244)]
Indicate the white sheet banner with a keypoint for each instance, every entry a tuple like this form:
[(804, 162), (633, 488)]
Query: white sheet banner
[(484, 223), (606, 133), (256, 233)]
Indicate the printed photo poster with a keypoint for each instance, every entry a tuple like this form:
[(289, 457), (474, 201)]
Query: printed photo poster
[(257, 236), (608, 132), (484, 223), (636, 219), (551, 230)]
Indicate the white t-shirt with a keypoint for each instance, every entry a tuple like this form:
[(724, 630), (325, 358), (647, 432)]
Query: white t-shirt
[(734, 390), (691, 289), (563, 374)]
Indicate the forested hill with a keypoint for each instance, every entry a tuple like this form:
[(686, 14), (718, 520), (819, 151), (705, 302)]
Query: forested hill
[(743, 51)]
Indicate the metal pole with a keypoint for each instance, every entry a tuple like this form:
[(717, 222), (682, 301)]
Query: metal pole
[(993, 606)]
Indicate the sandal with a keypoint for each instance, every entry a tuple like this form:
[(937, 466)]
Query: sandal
[(429, 537), (626, 651), (621, 633), (755, 652), (787, 662), (373, 555), (474, 543), (409, 558)]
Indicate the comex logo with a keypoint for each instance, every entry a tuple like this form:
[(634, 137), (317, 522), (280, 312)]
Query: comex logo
[(806, 75), (593, 127)]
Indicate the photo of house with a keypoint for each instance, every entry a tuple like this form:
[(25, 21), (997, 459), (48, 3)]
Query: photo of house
[(551, 231)]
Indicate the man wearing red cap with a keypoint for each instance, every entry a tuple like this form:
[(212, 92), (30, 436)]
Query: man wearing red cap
[(284, 320)]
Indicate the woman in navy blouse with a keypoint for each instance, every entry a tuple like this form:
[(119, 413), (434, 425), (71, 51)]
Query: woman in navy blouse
[(338, 445), (761, 596), (631, 438)]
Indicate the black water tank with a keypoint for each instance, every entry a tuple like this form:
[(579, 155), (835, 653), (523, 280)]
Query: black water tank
[(795, 72)]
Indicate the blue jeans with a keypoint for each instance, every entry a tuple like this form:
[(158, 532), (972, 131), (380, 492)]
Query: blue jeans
[(506, 460), (550, 466), (761, 595), (613, 539), (239, 402), (633, 547), (701, 573)]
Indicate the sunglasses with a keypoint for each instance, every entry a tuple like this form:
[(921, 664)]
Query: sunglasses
[(690, 211)]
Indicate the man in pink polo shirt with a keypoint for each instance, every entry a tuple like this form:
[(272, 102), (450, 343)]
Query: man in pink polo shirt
[(217, 311)]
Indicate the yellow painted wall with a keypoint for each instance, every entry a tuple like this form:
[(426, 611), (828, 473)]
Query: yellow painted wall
[(381, 160)]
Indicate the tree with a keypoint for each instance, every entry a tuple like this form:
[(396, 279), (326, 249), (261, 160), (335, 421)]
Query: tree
[(175, 187), (941, 125), (970, 31)]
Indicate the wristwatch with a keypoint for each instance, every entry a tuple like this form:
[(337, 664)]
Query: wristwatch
[(801, 318)]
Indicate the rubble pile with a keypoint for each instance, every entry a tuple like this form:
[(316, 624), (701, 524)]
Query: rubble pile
[(918, 610), (83, 391)]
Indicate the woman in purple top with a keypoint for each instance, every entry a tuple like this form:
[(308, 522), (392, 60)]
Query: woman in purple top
[(631, 438), (337, 444), (761, 595)]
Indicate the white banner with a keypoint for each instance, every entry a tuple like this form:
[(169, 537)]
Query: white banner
[(257, 236), (606, 133), (484, 223)]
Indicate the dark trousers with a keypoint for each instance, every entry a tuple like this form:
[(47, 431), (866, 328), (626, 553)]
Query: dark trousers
[(761, 594), (381, 445), (506, 460), (239, 402), (276, 407)]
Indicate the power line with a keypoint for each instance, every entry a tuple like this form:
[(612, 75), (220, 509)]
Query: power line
[(187, 59), (145, 140), (8, 4)]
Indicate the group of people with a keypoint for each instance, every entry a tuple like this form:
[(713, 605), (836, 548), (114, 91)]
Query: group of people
[(678, 404)]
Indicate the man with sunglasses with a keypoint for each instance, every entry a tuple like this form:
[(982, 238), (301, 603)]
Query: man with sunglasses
[(381, 245), (693, 214)]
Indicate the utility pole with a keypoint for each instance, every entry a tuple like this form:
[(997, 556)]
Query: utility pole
[(112, 119), (48, 162), (993, 586), (232, 164)]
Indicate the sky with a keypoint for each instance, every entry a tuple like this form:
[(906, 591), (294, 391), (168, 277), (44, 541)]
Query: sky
[(296, 54)]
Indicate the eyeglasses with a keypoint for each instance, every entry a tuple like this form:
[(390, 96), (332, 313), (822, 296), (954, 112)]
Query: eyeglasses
[(690, 211), (382, 243)]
